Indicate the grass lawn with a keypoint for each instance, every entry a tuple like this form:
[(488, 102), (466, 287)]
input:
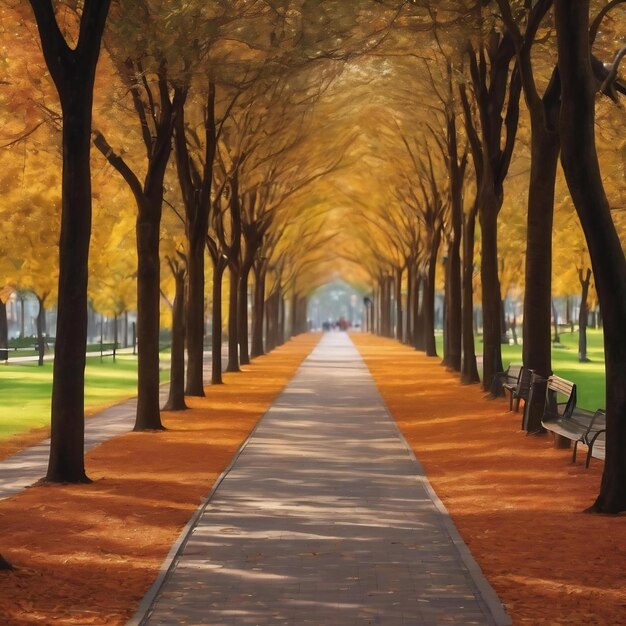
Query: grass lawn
[(25, 390), (589, 377)]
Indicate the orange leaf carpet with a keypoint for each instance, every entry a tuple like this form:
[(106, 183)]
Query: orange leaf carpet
[(86, 554), (515, 499)]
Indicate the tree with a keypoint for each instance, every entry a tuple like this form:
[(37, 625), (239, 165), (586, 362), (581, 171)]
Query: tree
[(73, 72), (545, 146), (148, 70), (580, 164)]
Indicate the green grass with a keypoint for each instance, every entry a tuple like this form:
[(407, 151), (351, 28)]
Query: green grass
[(25, 390), (589, 377)]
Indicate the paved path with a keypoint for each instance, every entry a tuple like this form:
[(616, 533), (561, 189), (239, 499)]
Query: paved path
[(21, 470), (325, 518)]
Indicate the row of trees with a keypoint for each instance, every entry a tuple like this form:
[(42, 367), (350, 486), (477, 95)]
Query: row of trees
[(292, 141), (455, 172)]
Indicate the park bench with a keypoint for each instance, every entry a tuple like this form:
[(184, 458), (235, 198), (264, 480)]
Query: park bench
[(596, 444), (507, 379), (519, 389), (568, 422)]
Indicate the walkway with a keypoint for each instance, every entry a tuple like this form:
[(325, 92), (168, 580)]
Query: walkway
[(325, 518), (26, 467)]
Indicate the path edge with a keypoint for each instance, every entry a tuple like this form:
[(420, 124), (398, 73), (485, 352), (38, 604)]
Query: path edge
[(144, 610), (487, 593), (145, 606)]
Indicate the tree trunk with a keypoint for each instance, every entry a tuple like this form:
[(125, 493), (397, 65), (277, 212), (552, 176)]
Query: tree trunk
[(537, 354), (420, 292), (408, 335), (492, 311), (469, 369), (555, 320), (280, 314), (148, 315), (242, 318), (216, 328), (73, 72), (258, 313), (41, 329), (583, 315), (233, 341), (429, 299), (582, 171), (4, 332), (176, 399), (21, 300), (195, 313), (399, 316)]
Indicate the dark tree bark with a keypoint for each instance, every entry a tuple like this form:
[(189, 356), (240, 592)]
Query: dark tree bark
[(73, 72), (258, 317), (580, 164), (469, 368), (220, 263), (242, 317), (497, 97), (4, 564), (418, 328), (176, 398), (456, 174), (410, 296), (545, 147), (4, 332), (399, 316), (196, 180), (583, 316), (163, 110), (429, 297), (41, 329), (233, 329), (555, 321)]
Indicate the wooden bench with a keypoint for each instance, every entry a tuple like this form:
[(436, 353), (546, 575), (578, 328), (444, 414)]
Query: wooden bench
[(562, 417), (507, 379), (520, 389), (596, 444)]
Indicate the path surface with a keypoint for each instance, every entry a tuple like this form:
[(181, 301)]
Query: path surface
[(23, 469), (325, 518)]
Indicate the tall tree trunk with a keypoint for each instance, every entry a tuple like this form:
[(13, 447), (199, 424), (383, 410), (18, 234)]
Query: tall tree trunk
[(258, 313), (176, 399), (469, 369), (242, 317), (233, 341), (125, 331), (281, 317), (4, 332), (148, 314), (41, 330), (492, 311), (399, 317), (429, 298), (536, 349), (583, 315), (580, 164), (453, 296), (410, 296), (420, 294), (195, 312), (73, 72), (216, 328), (555, 321)]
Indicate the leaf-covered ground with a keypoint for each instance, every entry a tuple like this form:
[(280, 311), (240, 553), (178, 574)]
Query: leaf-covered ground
[(515, 499), (86, 554)]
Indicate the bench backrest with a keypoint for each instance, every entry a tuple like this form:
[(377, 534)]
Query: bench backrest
[(523, 383), (513, 372), (560, 397)]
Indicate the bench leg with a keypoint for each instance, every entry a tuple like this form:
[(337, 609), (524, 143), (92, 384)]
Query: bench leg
[(575, 450)]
